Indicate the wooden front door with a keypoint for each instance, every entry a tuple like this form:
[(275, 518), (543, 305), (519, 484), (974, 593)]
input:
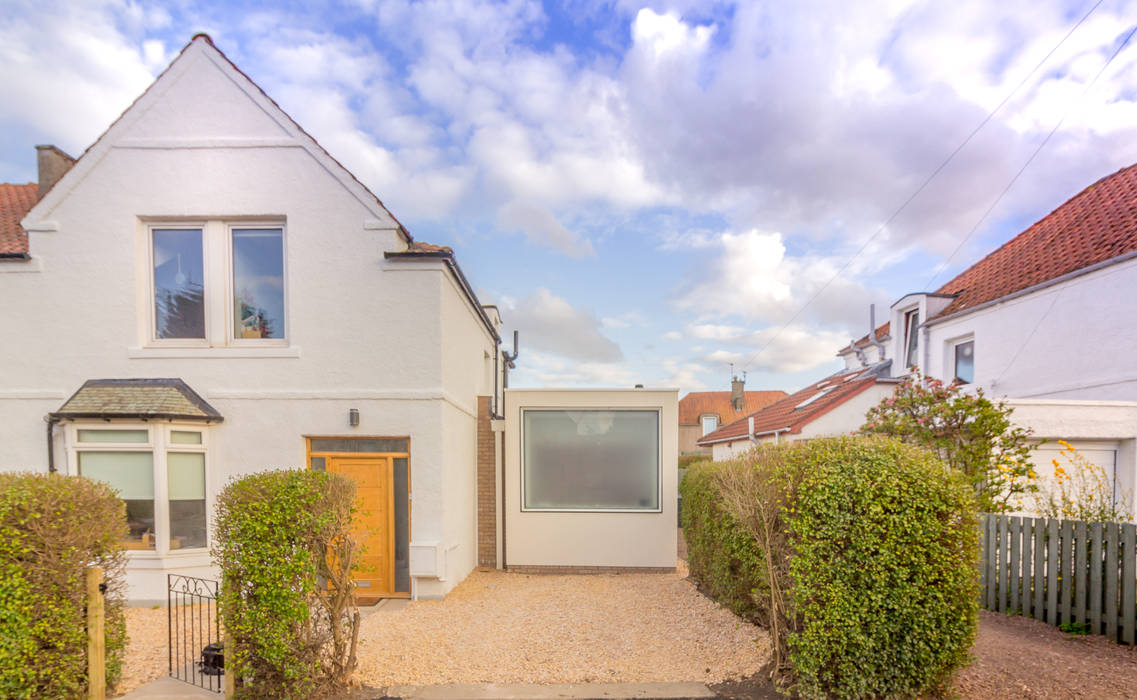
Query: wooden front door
[(374, 521)]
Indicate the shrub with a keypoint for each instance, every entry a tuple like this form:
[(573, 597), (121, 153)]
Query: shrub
[(686, 461), (1082, 492), (285, 551), (968, 431), (52, 527), (859, 554)]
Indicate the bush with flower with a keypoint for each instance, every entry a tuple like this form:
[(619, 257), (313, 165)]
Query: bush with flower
[(1084, 491), (966, 430)]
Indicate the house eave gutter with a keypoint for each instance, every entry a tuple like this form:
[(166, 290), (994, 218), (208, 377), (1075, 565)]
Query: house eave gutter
[(1116, 260), (736, 438), (15, 257), (56, 417), (452, 264)]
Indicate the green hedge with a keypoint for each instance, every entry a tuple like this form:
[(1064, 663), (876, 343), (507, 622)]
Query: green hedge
[(51, 528), (285, 551), (876, 561)]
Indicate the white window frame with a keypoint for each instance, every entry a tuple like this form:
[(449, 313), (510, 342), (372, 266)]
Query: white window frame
[(910, 333), (158, 445), (953, 348), (207, 284), (217, 273), (703, 423), (231, 338), (658, 410)]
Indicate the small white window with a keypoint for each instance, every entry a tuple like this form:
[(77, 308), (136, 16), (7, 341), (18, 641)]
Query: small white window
[(710, 424), (911, 341), (965, 362)]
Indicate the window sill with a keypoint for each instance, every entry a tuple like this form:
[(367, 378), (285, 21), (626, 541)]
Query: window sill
[(153, 353)]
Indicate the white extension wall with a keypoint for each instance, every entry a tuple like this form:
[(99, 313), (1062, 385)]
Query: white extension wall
[(592, 539)]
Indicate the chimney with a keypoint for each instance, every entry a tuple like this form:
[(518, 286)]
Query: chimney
[(737, 393), (53, 163)]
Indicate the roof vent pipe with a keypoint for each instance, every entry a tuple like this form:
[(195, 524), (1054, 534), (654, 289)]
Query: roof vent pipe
[(750, 429), (872, 332)]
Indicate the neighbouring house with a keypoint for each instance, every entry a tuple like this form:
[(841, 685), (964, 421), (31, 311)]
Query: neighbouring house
[(832, 406), (1045, 322), (206, 292), (703, 412)]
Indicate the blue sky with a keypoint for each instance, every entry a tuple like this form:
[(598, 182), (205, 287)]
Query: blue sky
[(650, 191)]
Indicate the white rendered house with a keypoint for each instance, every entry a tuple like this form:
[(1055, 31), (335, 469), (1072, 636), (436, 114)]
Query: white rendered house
[(250, 305), (207, 293), (1047, 322)]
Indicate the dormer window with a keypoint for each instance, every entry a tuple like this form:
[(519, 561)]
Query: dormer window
[(710, 424), (911, 344)]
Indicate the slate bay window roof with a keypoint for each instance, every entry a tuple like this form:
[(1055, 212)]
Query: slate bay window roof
[(170, 399)]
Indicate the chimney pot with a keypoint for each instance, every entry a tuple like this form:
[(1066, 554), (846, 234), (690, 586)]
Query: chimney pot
[(738, 393), (52, 164)]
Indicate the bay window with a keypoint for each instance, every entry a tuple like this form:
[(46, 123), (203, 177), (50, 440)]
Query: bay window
[(158, 471)]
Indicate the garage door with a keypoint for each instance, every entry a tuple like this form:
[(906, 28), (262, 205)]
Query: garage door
[(1101, 453)]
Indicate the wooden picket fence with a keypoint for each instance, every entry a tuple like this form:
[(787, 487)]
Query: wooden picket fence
[(1062, 571)]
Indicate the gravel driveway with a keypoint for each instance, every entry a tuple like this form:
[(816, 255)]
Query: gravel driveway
[(511, 628)]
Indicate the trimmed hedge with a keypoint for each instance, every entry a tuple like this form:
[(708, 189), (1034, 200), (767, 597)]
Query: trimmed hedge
[(285, 550), (52, 527), (873, 546)]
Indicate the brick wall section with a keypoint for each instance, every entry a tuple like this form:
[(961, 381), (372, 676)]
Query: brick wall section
[(523, 569), (487, 488)]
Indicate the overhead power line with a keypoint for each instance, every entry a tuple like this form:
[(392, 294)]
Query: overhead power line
[(923, 185)]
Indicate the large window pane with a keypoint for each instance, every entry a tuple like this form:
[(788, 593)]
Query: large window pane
[(595, 460), (187, 499), (132, 474), (258, 283), (179, 296)]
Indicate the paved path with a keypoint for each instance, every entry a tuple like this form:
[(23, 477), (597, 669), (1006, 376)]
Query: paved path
[(564, 691), (166, 688)]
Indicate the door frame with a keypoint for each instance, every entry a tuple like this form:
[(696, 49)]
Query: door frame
[(391, 456)]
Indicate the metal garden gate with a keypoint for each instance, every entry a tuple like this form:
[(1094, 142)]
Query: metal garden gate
[(194, 631)]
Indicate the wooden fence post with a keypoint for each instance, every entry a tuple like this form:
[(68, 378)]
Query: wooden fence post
[(230, 670), (96, 637)]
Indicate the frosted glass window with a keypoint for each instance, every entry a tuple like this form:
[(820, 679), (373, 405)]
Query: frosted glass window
[(591, 460), (710, 424), (142, 436), (258, 283), (179, 284), (186, 472), (132, 475), (185, 437)]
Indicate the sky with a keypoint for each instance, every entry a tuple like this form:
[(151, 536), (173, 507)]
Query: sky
[(651, 192)]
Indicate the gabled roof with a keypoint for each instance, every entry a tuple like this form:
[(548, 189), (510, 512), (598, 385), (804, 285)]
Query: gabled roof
[(338, 170), (137, 398), (699, 403), (1093, 226), (797, 410), (15, 202)]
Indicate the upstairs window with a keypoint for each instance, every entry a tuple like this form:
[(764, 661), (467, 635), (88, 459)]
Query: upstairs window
[(179, 283), (710, 424), (911, 344), (965, 362), (258, 283)]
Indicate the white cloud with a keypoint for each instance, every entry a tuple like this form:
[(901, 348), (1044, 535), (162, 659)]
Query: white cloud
[(541, 227), (551, 325)]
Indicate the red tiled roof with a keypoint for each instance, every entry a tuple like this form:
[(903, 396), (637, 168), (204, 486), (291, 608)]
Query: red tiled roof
[(421, 247), (786, 414), (700, 403), (882, 332), (15, 202), (1097, 224)]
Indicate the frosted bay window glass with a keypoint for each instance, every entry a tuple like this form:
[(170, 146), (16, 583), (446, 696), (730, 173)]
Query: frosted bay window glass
[(142, 436), (590, 460), (179, 284), (132, 475), (186, 472), (258, 283)]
